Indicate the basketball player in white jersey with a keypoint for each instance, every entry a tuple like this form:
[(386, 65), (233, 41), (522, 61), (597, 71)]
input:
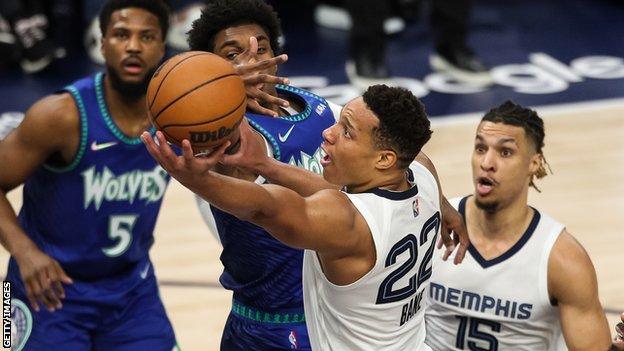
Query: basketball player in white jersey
[(526, 283), (370, 246)]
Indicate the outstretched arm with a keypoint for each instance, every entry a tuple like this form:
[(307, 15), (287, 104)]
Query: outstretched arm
[(252, 157), (572, 283), (323, 222)]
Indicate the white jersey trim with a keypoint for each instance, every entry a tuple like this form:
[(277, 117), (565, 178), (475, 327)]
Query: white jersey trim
[(543, 267)]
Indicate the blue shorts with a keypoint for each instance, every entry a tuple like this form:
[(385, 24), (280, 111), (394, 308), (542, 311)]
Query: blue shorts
[(93, 318), (251, 329)]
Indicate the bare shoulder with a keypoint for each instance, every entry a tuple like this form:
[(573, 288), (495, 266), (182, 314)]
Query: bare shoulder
[(568, 255), (570, 270), (52, 124), (335, 204), (333, 198), (57, 111)]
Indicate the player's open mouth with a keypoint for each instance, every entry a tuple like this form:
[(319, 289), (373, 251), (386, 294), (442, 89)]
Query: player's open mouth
[(326, 159), (485, 185), (132, 66)]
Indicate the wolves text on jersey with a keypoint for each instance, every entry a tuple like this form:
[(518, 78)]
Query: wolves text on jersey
[(105, 185), (309, 163)]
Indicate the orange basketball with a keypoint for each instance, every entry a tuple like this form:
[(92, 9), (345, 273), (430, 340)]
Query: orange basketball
[(196, 96)]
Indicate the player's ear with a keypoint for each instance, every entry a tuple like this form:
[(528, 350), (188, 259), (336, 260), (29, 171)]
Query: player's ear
[(536, 163), (386, 159)]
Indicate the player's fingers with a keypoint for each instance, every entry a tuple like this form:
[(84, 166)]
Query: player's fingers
[(187, 153), (220, 151), (51, 291), (439, 243), (57, 283), (167, 156), (48, 279), (253, 105), (40, 290), (265, 78), (151, 146), (461, 252), (63, 277), (464, 243), (253, 46), (448, 243), (30, 295), (258, 94), (447, 252), (265, 64)]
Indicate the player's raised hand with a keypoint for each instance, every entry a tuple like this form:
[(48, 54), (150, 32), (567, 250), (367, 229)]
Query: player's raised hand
[(253, 73), (252, 153), (43, 279), (453, 233), (187, 169)]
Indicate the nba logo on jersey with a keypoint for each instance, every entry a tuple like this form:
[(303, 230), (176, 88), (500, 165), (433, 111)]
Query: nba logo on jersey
[(320, 108), (415, 208), (292, 338)]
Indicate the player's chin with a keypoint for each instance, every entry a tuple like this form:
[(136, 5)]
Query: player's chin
[(133, 78), (488, 205)]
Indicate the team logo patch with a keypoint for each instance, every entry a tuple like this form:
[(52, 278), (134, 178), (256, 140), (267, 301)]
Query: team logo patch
[(22, 324), (292, 338), (415, 208)]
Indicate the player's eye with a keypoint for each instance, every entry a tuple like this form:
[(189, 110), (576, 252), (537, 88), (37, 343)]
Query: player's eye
[(479, 148), (148, 37), (506, 153), (346, 133), (262, 50), (231, 56), (121, 35)]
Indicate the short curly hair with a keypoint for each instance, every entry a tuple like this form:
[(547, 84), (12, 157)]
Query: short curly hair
[(513, 114), (157, 7), (222, 14), (403, 123)]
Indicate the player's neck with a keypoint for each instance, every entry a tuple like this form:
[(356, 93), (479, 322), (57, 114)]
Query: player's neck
[(122, 107), (508, 222), (130, 115), (393, 181)]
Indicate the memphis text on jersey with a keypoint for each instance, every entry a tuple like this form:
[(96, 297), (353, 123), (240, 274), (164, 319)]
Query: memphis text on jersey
[(480, 303), (148, 186)]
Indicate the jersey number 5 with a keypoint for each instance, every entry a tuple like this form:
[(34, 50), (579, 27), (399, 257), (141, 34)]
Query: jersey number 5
[(472, 324), (120, 229), (409, 243)]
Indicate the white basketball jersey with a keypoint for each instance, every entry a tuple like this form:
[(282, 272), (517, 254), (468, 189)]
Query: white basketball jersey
[(497, 304), (383, 310)]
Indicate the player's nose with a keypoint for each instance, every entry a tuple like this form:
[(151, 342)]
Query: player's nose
[(488, 161), (329, 135)]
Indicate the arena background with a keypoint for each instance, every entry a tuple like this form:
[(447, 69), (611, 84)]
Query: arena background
[(564, 58)]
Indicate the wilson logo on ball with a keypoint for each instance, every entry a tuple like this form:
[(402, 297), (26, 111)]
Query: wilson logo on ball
[(209, 136)]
